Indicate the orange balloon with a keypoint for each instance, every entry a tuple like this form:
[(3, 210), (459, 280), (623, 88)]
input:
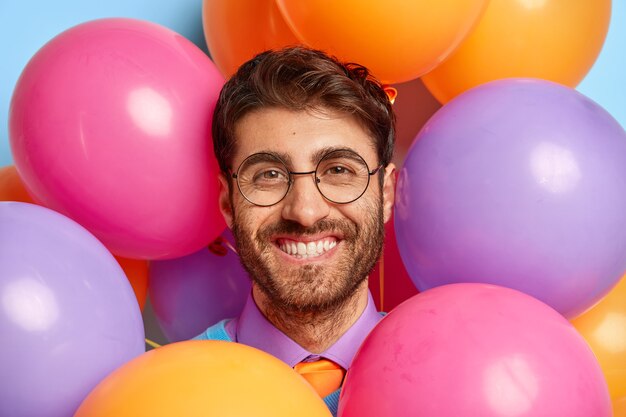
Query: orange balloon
[(204, 378), (398, 40), (11, 186), (237, 30), (557, 40), (619, 407), (604, 328), (136, 271)]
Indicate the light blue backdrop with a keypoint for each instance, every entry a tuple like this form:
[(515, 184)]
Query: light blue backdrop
[(606, 82), (25, 26)]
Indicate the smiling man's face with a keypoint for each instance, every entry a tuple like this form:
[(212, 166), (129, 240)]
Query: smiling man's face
[(306, 253)]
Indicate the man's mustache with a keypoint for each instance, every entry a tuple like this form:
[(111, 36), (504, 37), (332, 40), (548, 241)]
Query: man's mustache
[(347, 229)]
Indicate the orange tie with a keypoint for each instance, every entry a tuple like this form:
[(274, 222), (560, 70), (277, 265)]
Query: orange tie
[(325, 376)]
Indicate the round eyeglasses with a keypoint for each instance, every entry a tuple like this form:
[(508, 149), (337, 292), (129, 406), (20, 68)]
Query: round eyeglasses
[(341, 176)]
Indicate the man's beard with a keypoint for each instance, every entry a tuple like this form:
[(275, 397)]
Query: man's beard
[(312, 287)]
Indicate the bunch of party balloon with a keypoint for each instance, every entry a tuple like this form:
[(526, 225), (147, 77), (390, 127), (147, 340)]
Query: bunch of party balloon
[(514, 193), (109, 127)]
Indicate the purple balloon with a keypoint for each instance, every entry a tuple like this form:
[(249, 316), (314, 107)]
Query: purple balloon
[(69, 315), (519, 183), (191, 293)]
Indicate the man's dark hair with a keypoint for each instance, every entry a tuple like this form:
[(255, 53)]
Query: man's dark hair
[(300, 78)]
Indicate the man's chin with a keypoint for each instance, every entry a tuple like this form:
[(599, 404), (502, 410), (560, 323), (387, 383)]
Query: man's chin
[(312, 293)]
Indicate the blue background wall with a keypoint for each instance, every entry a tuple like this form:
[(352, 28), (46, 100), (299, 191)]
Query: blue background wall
[(606, 82)]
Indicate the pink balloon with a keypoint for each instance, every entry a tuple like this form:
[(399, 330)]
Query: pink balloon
[(110, 125), (474, 350)]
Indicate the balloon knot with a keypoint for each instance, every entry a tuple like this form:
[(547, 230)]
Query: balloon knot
[(217, 247), (391, 92)]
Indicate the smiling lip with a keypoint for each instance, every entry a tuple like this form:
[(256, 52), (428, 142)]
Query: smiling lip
[(306, 249)]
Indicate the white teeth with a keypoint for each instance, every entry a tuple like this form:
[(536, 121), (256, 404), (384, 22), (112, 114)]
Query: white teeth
[(301, 248)]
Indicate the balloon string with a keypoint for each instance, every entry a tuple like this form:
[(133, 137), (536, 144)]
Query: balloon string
[(381, 281), (229, 246), (152, 344)]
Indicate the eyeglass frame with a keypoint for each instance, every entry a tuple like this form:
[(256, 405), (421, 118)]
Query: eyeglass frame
[(316, 179)]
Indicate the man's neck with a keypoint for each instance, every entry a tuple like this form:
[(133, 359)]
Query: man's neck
[(314, 331)]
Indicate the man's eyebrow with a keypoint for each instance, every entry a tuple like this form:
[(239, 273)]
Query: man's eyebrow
[(320, 153), (315, 158), (286, 158)]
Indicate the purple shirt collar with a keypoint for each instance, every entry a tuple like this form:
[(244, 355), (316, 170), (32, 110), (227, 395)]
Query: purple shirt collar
[(253, 329)]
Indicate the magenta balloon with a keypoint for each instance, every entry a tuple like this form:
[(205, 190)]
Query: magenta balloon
[(110, 125), (519, 183), (194, 292), (69, 316), (474, 350)]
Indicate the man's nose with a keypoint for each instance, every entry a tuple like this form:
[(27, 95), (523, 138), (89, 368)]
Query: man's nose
[(304, 203)]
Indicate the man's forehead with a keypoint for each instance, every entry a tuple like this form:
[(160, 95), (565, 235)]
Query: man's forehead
[(300, 135)]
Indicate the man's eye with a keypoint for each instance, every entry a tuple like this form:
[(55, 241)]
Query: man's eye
[(338, 170), (270, 175)]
